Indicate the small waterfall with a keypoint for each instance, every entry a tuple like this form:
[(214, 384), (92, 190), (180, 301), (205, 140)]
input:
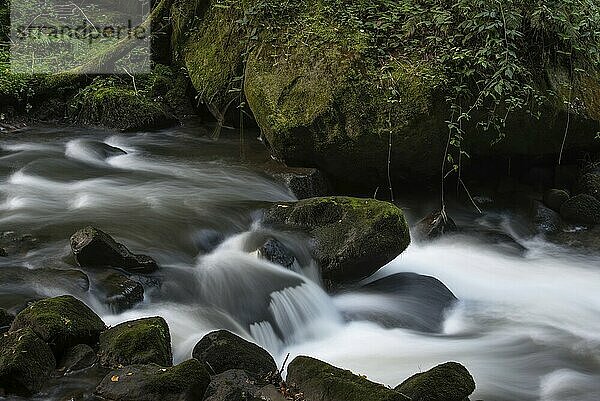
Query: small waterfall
[(279, 306)]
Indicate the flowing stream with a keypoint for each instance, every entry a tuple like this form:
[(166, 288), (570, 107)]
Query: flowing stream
[(527, 326)]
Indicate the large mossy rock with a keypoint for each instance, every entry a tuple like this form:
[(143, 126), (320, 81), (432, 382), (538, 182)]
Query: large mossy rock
[(329, 89), (321, 381), (95, 248), (222, 350), (26, 362), (353, 237), (446, 382), (140, 341), (62, 322), (184, 382)]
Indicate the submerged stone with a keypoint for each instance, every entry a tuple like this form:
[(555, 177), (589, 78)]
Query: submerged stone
[(417, 302)]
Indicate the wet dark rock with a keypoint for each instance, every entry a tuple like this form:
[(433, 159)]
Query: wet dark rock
[(353, 237), (304, 183), (554, 198), (582, 209), (140, 341), (222, 350), (62, 322), (417, 302), (185, 382), (70, 280), (321, 381), (79, 357), (12, 243), (276, 252), (233, 385), (446, 382), (207, 240), (26, 363), (435, 225), (94, 248), (119, 292), (103, 150), (588, 184), (5, 320), (544, 219)]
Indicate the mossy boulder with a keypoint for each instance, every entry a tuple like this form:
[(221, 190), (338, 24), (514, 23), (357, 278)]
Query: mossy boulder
[(582, 209), (353, 237), (320, 381), (222, 350), (140, 341), (26, 362), (62, 322), (331, 89), (118, 107), (93, 247), (446, 382), (184, 382)]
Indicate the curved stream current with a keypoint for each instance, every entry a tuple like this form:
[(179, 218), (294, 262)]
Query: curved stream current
[(527, 326)]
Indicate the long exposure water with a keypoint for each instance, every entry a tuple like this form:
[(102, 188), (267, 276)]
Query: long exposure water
[(526, 325)]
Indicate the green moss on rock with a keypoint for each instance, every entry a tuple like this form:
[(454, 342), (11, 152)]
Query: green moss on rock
[(185, 382), (111, 104), (62, 322), (210, 47), (222, 350), (321, 381), (140, 341), (26, 362), (446, 382), (354, 237)]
